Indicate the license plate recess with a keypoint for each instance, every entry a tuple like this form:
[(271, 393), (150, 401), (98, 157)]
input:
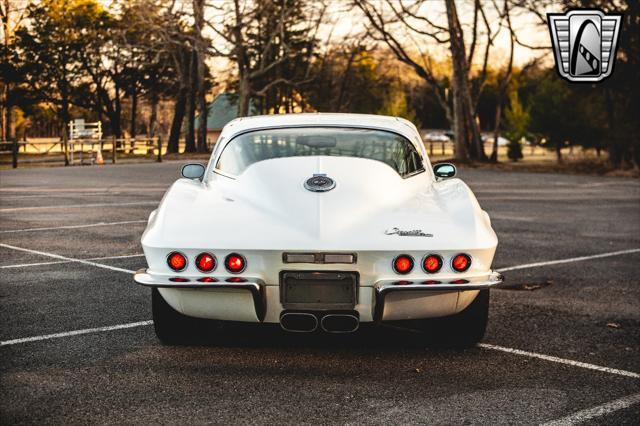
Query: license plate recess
[(319, 290)]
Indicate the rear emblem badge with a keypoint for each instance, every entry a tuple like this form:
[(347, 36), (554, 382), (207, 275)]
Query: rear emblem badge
[(412, 233), (319, 183)]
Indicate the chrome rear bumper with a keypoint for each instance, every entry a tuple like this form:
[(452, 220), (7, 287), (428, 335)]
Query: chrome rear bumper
[(387, 300), (252, 285), (422, 287)]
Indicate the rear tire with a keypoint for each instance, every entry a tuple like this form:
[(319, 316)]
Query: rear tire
[(462, 330), (173, 328)]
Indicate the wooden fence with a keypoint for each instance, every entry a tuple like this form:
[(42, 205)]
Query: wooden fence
[(79, 151)]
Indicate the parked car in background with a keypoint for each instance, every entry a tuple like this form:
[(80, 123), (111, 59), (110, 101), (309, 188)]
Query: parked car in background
[(502, 141), (436, 136)]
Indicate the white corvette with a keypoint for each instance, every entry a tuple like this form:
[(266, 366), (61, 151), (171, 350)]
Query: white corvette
[(320, 222)]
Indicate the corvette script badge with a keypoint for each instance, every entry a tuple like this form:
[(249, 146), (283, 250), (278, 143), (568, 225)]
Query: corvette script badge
[(412, 233)]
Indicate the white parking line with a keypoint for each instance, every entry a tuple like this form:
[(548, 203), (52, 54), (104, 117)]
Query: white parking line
[(48, 194), (569, 260), (89, 225), (482, 345), (599, 411), (69, 259), (70, 206), (26, 265), (75, 333), (560, 360)]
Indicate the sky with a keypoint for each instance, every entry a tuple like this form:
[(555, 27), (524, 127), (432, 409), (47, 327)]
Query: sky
[(344, 22)]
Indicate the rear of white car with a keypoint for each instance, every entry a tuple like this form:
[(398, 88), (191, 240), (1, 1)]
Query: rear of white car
[(318, 221)]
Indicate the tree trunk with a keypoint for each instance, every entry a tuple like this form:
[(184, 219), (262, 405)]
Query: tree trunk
[(202, 105), (7, 118), (559, 143), (198, 9), (244, 94), (459, 131), (173, 144), (496, 133), (190, 135), (116, 119), (467, 134), (202, 124), (134, 113), (65, 117), (153, 117)]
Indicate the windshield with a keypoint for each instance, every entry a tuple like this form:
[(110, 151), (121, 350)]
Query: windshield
[(389, 148)]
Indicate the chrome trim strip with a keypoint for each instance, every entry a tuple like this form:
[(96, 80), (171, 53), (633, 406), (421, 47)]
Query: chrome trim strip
[(385, 287), (320, 258), (254, 285)]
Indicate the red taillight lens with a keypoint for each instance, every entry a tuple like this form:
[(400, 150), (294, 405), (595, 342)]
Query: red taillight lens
[(207, 280), (176, 261), (205, 262), (461, 262), (236, 280), (403, 264), (235, 263), (432, 263)]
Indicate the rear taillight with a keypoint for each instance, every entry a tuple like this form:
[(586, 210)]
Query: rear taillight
[(177, 261), (207, 280), (461, 262), (206, 262), (403, 264), (235, 263), (432, 263)]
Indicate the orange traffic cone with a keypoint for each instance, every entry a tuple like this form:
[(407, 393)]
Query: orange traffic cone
[(99, 159)]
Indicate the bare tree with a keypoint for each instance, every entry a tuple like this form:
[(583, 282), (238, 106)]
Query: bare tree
[(503, 85), (200, 83), (397, 23), (12, 14), (258, 50)]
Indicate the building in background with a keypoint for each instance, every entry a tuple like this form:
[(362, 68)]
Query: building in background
[(222, 110)]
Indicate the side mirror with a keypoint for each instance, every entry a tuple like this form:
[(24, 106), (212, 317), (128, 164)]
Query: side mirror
[(193, 171), (444, 170)]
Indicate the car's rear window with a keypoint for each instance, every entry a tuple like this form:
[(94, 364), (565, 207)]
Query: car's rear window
[(389, 148)]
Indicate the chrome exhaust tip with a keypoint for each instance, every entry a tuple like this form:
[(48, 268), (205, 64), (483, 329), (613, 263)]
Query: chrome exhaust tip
[(339, 323), (298, 322)]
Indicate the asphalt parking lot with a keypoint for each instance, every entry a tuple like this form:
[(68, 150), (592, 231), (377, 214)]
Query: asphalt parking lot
[(77, 345)]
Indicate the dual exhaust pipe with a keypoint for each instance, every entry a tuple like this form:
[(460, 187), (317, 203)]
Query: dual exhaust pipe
[(306, 322)]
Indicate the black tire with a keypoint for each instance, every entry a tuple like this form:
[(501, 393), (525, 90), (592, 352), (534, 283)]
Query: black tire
[(462, 330), (173, 328)]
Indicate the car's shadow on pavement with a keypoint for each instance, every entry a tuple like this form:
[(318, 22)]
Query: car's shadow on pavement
[(385, 338)]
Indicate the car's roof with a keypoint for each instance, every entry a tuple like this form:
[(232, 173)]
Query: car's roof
[(396, 124)]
